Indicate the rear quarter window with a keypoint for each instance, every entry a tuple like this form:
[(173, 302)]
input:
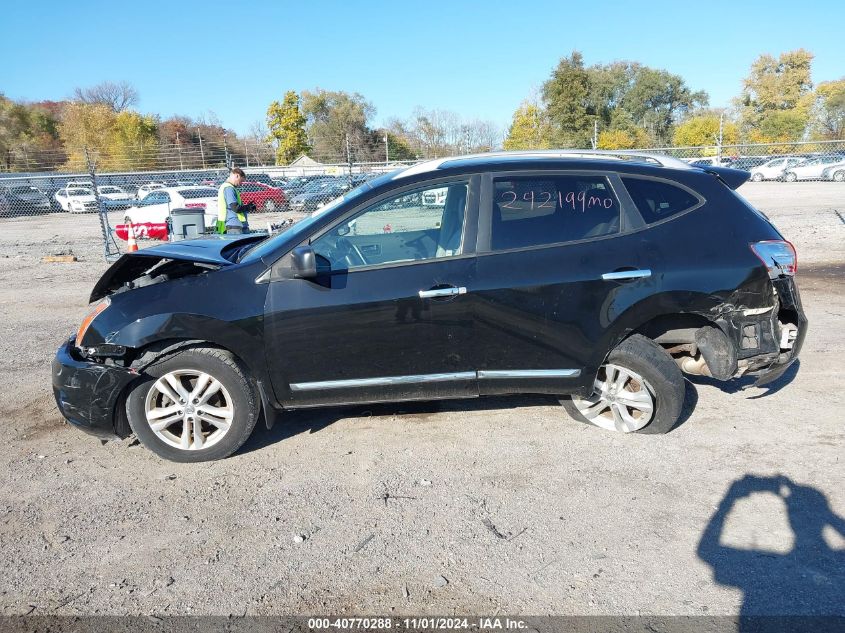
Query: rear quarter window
[(657, 200)]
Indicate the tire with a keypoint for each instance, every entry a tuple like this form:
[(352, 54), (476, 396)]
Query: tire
[(651, 387), (269, 205), (839, 176), (233, 406), (790, 177), (757, 177)]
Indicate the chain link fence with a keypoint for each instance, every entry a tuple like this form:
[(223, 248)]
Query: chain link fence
[(148, 186)]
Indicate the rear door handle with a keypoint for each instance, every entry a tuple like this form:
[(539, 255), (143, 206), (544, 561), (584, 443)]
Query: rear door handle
[(442, 292), (626, 274)]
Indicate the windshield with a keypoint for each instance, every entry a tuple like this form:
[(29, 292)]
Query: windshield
[(24, 189), (80, 192)]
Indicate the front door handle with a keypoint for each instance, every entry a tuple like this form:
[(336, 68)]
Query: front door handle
[(626, 274), (442, 292)]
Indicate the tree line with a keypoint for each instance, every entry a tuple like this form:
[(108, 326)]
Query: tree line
[(620, 105), (626, 105)]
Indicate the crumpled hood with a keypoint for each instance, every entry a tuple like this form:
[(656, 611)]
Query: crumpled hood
[(210, 250)]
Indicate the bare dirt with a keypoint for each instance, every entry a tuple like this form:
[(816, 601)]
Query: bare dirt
[(501, 505)]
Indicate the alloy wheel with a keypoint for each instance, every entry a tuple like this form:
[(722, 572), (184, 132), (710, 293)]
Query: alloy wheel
[(622, 400), (189, 409)]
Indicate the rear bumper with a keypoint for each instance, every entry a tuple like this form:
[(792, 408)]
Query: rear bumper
[(87, 393), (774, 362)]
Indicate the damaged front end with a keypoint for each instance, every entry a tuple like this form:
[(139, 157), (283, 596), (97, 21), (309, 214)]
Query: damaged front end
[(93, 369)]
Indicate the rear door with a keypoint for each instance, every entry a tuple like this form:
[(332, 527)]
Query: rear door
[(557, 266)]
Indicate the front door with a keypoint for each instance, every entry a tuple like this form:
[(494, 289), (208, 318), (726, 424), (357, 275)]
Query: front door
[(388, 317)]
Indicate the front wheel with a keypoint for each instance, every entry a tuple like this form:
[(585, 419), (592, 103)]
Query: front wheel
[(638, 390), (195, 406), (839, 176), (269, 206), (757, 177), (790, 177)]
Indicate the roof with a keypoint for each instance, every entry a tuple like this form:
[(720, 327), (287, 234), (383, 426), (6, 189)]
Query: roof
[(647, 158)]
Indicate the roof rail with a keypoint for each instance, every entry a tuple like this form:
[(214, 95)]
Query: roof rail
[(599, 154)]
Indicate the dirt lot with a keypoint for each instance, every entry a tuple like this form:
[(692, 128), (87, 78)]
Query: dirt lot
[(503, 505)]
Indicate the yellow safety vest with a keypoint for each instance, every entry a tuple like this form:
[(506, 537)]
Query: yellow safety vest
[(222, 211)]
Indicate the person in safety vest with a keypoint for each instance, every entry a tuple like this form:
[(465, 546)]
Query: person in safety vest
[(231, 212)]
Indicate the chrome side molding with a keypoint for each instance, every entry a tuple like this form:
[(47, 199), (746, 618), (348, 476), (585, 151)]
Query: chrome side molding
[(385, 381), (528, 373)]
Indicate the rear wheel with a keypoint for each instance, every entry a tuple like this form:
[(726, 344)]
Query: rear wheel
[(790, 177), (638, 390), (195, 406), (757, 177)]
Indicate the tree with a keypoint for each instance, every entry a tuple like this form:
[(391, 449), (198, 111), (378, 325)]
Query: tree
[(132, 142), (776, 98), (124, 140), (704, 130), (656, 99), (117, 96), (529, 128), (622, 139), (334, 117), (286, 125), (567, 98), (828, 113)]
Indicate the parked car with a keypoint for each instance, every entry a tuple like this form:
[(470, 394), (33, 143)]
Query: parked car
[(811, 169), (22, 200), (774, 169), (77, 200), (835, 172), (297, 185), (711, 160), (542, 273), (143, 190), (263, 196), (317, 194), (156, 205), (747, 163)]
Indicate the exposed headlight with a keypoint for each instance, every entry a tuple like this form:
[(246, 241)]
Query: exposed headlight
[(88, 320)]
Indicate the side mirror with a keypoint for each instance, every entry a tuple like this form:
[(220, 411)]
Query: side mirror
[(303, 262)]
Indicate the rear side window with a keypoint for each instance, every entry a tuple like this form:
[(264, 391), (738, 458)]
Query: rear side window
[(658, 200), (532, 211)]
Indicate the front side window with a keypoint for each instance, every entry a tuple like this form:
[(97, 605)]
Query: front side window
[(534, 211), (423, 224)]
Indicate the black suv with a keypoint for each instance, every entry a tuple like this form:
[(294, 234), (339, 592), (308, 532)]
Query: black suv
[(598, 276)]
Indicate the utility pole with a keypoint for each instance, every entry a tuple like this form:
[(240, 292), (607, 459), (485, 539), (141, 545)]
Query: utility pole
[(348, 157), (246, 149), (386, 151), (595, 134), (226, 151), (179, 149), (202, 153), (721, 129)]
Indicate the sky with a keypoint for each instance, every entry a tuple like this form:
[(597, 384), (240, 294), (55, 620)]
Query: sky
[(478, 59)]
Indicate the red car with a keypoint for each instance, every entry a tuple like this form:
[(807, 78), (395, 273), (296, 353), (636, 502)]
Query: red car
[(264, 196)]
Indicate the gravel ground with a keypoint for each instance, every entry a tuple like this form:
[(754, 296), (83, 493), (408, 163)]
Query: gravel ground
[(502, 505)]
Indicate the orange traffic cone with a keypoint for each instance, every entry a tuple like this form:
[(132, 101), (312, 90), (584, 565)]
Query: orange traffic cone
[(131, 244)]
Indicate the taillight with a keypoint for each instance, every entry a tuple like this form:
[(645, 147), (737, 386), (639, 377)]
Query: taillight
[(88, 320), (195, 205), (778, 256)]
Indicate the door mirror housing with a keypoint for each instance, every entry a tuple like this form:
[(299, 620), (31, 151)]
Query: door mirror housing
[(303, 262)]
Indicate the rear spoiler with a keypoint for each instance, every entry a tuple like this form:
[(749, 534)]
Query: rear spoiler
[(733, 178)]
